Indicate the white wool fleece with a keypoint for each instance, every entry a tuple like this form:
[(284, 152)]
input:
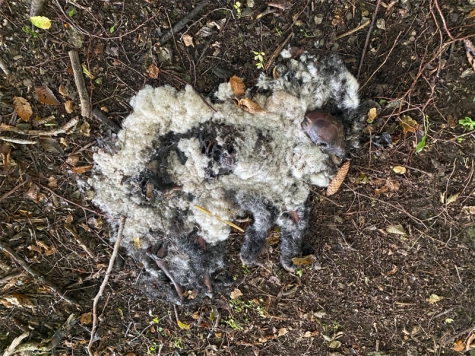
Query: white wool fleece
[(275, 159)]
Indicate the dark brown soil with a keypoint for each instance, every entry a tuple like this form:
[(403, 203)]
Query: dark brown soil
[(395, 272)]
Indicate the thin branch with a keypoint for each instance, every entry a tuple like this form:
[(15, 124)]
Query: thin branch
[(80, 83), (63, 129), (17, 140), (99, 115), (37, 275), (104, 283), (353, 30), (182, 23), (367, 38)]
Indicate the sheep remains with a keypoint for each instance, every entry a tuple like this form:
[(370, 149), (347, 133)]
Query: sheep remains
[(177, 157)]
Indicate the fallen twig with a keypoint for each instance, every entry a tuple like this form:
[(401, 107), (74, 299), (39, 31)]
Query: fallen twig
[(17, 140), (11, 276), (104, 283), (78, 238), (385, 60), (354, 30), (36, 7), (6, 195), (4, 67), (181, 24), (63, 129), (217, 217), (37, 275), (277, 51), (80, 83), (367, 38), (99, 115)]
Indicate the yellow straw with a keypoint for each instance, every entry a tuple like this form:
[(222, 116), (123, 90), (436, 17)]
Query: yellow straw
[(217, 217)]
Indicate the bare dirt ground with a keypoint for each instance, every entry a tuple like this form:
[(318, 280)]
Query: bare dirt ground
[(395, 247)]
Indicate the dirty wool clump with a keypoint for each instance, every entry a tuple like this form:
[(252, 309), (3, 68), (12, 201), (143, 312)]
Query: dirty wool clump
[(180, 164)]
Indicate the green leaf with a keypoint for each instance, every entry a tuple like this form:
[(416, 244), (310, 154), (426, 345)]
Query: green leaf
[(467, 122), (41, 22), (422, 143), (72, 12), (112, 29)]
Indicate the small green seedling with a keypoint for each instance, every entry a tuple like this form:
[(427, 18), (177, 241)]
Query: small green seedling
[(237, 7), (234, 324), (422, 143), (29, 31), (259, 57), (72, 12), (467, 123)]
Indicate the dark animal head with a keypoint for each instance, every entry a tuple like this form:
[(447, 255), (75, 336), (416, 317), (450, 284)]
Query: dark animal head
[(325, 131)]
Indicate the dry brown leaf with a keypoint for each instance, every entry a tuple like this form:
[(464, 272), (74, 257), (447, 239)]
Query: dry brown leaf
[(451, 122), (389, 186), (470, 51), (372, 114), (51, 145), (304, 261), (86, 318), (85, 129), (434, 298), (337, 181), (22, 108), (5, 151), (273, 238), (34, 248), (153, 71), (62, 90), (282, 332), (81, 169), (408, 124), (311, 333), (337, 21), (46, 96), (396, 229), (6, 303), (20, 300), (68, 106), (237, 85), (236, 293), (249, 105), (188, 40), (72, 160), (459, 346), (34, 193), (470, 345), (183, 325), (399, 170), (471, 14), (49, 250), (149, 187)]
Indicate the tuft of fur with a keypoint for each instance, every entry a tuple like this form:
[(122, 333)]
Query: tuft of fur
[(175, 153)]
